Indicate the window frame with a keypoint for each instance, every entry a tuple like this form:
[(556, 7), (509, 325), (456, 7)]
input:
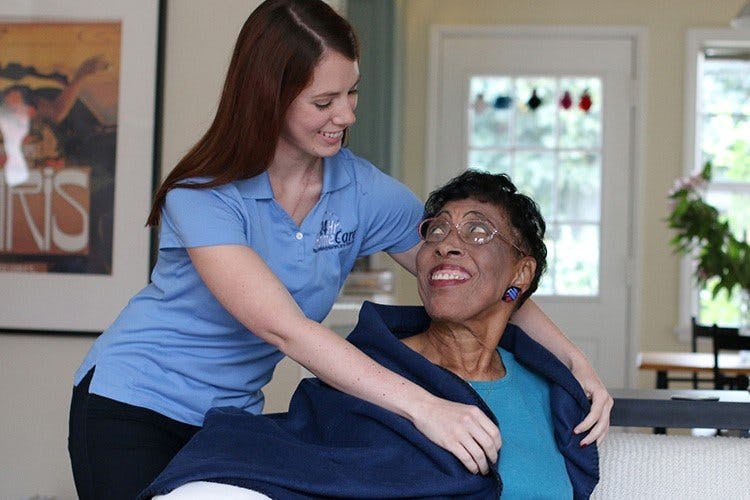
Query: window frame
[(696, 42)]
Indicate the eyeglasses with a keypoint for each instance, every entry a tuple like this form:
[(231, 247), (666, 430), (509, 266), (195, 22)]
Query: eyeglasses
[(472, 231)]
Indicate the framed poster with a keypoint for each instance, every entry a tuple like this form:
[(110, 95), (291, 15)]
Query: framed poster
[(78, 154)]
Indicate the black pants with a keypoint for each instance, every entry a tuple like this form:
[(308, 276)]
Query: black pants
[(117, 449)]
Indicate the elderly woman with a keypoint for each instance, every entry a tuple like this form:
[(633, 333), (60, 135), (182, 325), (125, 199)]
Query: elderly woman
[(483, 256)]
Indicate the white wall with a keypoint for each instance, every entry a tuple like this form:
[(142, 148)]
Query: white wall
[(36, 375)]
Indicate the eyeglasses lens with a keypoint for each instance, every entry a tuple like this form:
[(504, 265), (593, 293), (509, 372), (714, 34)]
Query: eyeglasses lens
[(473, 232)]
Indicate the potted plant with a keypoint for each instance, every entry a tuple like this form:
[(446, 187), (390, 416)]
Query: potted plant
[(701, 232)]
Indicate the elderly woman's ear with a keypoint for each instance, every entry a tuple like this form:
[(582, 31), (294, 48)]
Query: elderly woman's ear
[(524, 275)]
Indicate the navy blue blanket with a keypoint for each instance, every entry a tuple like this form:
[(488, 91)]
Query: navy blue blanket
[(330, 444)]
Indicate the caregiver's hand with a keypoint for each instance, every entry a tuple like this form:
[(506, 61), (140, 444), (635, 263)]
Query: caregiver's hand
[(601, 404), (461, 429)]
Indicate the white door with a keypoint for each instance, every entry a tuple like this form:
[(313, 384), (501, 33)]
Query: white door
[(554, 110)]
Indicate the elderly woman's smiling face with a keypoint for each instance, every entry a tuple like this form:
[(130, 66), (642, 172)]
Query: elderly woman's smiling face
[(459, 280)]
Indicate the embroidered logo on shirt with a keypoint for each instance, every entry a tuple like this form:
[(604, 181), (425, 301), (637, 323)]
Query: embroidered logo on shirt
[(331, 234)]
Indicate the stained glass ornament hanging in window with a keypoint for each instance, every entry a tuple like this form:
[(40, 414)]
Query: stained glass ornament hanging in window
[(585, 102), (503, 102), (566, 101), (479, 104), (534, 101)]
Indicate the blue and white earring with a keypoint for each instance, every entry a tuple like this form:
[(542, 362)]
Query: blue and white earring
[(511, 294)]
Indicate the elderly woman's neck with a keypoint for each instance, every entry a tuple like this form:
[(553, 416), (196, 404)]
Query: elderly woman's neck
[(468, 351)]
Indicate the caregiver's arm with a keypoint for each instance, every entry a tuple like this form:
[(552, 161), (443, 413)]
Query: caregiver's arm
[(542, 329), (239, 278)]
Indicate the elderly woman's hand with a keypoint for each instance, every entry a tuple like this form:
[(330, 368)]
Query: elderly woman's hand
[(461, 429), (601, 404)]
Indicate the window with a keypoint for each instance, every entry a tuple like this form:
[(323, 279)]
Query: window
[(546, 133), (718, 111)]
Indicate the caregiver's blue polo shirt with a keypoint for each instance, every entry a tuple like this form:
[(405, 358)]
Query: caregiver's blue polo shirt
[(174, 349)]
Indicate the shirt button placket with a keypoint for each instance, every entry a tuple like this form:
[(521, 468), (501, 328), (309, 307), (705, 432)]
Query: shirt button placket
[(300, 245)]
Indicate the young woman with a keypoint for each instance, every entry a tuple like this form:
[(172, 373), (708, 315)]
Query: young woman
[(260, 224)]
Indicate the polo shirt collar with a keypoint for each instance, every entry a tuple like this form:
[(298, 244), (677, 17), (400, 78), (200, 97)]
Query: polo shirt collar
[(336, 175)]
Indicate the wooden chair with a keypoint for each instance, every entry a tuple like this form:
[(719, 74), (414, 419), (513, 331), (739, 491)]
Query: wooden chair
[(729, 339), (697, 331)]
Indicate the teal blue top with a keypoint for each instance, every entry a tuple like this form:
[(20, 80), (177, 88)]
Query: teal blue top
[(530, 464)]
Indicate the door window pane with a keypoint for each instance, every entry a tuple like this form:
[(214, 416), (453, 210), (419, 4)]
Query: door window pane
[(580, 188), (536, 125), (534, 175), (490, 112), (577, 129), (495, 162), (576, 260)]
